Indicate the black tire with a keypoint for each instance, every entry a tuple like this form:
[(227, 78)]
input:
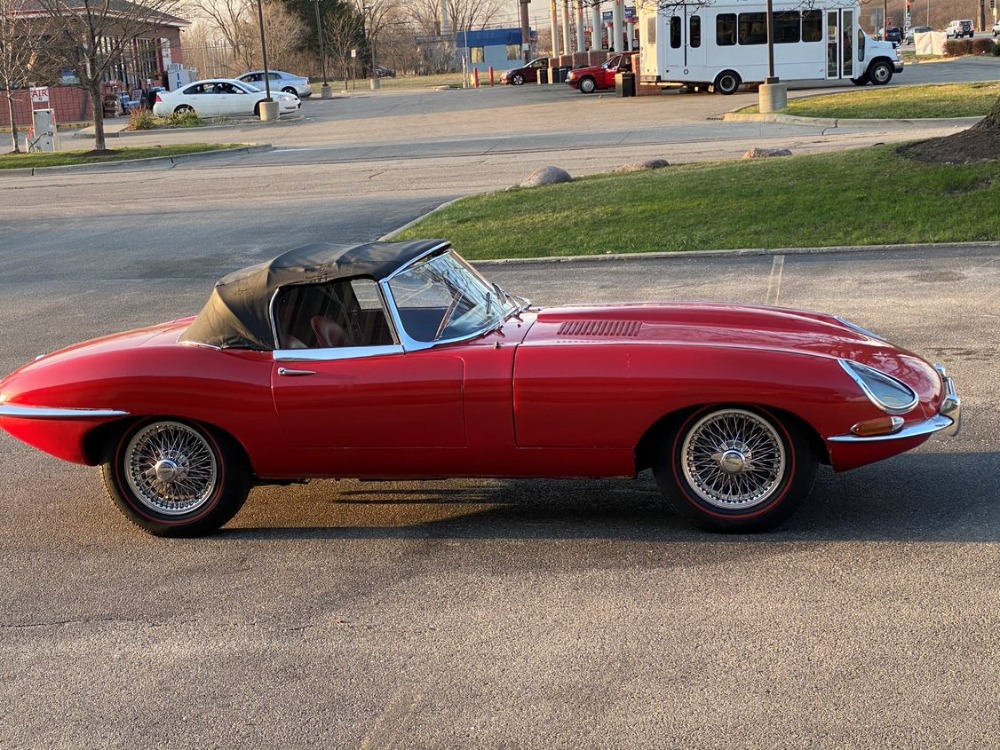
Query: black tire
[(860, 80), (879, 73), (256, 109), (290, 90), (517, 79), (588, 85), (734, 469), (727, 82), (174, 478), (181, 109)]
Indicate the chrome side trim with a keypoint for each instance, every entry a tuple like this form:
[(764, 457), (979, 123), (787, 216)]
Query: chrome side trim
[(291, 373), (333, 355), (47, 412), (937, 423)]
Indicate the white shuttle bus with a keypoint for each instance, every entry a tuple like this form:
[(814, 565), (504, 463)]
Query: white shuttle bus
[(722, 44)]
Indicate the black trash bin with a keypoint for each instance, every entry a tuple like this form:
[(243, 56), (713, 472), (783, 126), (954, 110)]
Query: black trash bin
[(543, 75), (564, 73), (625, 84)]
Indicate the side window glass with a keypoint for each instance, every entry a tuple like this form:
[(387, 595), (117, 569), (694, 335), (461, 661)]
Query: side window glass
[(345, 313), (694, 31), (725, 29), (675, 32)]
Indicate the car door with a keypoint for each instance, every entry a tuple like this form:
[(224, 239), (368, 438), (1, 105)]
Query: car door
[(350, 398), (357, 388)]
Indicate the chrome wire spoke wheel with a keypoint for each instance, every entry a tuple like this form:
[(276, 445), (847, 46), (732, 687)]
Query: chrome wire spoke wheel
[(733, 459), (171, 468)]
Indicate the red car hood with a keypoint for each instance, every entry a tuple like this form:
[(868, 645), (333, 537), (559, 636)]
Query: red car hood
[(713, 325)]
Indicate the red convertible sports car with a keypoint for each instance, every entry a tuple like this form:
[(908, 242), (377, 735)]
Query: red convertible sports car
[(399, 360)]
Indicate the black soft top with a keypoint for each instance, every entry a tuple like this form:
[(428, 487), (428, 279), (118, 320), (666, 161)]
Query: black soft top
[(238, 312)]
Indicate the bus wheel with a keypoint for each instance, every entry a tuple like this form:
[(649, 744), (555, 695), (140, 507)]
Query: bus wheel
[(880, 73), (727, 82)]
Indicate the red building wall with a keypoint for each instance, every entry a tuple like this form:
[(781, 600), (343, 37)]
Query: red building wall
[(69, 103)]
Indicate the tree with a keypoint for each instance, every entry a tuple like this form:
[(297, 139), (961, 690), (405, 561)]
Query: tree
[(91, 37), (19, 45), (436, 17)]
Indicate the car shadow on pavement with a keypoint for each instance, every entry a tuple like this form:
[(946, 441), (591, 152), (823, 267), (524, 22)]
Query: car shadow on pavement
[(916, 497)]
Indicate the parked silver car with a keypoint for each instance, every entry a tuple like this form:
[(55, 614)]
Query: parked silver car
[(279, 80)]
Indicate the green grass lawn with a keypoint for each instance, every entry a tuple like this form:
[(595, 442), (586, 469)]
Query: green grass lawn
[(64, 158), (863, 197), (903, 103)]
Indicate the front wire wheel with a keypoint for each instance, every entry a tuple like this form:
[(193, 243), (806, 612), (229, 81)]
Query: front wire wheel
[(174, 478), (735, 469)]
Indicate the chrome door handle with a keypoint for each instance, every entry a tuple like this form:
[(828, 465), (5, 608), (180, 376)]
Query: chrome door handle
[(287, 371)]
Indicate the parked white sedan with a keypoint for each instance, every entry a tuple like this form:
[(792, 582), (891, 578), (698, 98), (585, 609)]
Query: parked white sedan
[(279, 81), (219, 97)]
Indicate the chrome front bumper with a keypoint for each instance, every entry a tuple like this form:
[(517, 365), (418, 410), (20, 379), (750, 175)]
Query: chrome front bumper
[(951, 404), (947, 421)]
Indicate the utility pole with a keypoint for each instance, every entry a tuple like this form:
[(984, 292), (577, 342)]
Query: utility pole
[(324, 92)]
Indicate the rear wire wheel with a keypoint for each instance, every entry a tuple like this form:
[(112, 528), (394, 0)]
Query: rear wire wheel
[(735, 469), (177, 479)]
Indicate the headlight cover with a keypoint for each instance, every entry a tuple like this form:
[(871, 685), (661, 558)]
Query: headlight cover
[(887, 393)]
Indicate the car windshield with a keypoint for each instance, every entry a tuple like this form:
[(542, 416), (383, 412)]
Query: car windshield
[(443, 298)]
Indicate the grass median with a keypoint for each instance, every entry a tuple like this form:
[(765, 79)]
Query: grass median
[(869, 196), (68, 158)]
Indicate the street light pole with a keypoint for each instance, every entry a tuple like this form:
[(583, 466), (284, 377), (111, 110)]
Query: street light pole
[(268, 108), (325, 91), (772, 94)]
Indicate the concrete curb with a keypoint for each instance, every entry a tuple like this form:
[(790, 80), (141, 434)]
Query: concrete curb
[(827, 122), (739, 252), (252, 148)]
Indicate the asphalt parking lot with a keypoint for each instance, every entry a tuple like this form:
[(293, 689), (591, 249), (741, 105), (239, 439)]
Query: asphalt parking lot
[(486, 614)]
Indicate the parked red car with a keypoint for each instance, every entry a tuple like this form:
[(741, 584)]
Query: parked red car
[(600, 77), (527, 73), (398, 360)]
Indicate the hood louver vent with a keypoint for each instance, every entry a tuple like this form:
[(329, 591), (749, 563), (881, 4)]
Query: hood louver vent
[(602, 328)]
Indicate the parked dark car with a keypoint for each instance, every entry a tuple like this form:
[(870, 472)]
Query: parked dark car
[(381, 72), (893, 34), (526, 74)]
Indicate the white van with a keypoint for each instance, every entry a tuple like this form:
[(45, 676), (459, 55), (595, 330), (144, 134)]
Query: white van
[(724, 45)]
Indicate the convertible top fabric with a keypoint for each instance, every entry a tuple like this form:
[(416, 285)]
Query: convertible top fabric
[(238, 312)]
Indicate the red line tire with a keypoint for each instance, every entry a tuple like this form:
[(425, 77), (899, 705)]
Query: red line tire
[(174, 478), (735, 469)]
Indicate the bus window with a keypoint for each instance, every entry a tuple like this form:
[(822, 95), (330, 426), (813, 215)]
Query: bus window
[(861, 44), (651, 30), (694, 31), (786, 27), (675, 32), (725, 29), (753, 28), (812, 26)]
